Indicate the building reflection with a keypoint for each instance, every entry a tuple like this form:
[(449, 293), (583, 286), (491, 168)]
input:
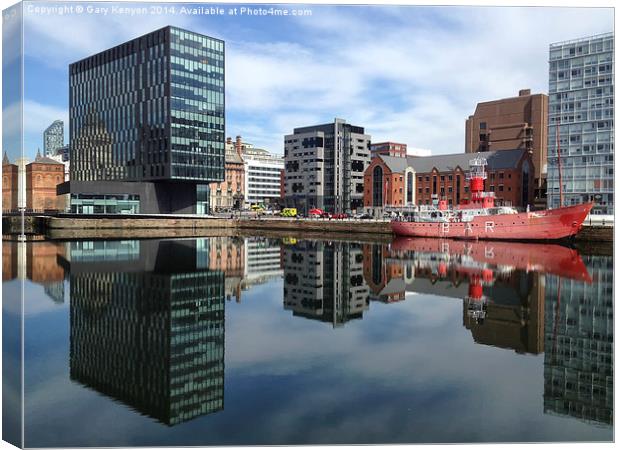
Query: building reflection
[(530, 298), (502, 306), (579, 345), (147, 325), (324, 281), (263, 261), (36, 261), (228, 255)]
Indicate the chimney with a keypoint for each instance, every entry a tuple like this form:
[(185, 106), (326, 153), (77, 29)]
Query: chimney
[(238, 145), (524, 92)]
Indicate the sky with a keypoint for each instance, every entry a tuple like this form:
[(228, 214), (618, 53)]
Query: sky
[(408, 74)]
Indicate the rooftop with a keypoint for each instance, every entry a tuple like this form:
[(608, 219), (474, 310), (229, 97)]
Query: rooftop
[(585, 38), (498, 159)]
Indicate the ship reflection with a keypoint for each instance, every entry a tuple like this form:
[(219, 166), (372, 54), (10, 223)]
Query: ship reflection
[(147, 325), (530, 298)]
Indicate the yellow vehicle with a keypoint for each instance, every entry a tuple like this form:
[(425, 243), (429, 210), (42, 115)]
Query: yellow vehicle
[(289, 241), (257, 207), (289, 212)]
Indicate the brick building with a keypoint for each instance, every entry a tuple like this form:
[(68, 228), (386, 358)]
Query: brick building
[(9, 185), (393, 181), (512, 123), (42, 177), (230, 192), (385, 183), (388, 149)]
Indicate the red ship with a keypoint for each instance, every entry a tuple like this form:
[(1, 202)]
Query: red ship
[(479, 218)]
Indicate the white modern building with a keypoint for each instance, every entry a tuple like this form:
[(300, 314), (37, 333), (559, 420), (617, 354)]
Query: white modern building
[(262, 175), (581, 118)]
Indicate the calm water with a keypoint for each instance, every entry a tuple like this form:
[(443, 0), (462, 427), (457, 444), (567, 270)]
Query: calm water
[(284, 341)]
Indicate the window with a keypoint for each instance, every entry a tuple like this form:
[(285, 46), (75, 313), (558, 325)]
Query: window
[(483, 125)]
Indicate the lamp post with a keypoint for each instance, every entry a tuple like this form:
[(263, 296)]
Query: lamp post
[(238, 200)]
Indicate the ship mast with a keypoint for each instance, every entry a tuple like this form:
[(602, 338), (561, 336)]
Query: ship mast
[(557, 146)]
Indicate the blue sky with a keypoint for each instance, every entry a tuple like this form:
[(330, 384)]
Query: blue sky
[(410, 74)]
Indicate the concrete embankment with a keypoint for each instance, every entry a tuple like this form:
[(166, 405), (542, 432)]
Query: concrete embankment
[(350, 227), (110, 227)]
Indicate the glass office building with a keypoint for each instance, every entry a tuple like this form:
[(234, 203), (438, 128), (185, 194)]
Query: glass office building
[(581, 108), (149, 112), (53, 137)]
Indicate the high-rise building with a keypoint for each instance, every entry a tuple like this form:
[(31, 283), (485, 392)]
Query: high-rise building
[(53, 137), (581, 118), (147, 124), (324, 167), (512, 123), (388, 149)]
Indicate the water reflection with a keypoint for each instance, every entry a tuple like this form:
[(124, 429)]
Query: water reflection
[(147, 317), (526, 297), (324, 281), (36, 261), (579, 344), (147, 329), (501, 284)]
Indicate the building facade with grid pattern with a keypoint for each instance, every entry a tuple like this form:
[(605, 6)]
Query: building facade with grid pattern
[(151, 112), (581, 109)]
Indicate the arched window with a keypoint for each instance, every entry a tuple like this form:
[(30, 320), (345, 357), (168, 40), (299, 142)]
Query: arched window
[(525, 188), (377, 186), (409, 198)]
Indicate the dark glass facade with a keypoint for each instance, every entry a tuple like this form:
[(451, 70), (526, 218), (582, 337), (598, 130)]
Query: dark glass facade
[(196, 106), (145, 331), (151, 109)]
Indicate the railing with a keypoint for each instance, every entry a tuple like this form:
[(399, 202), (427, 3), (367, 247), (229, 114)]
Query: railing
[(583, 39), (599, 220)]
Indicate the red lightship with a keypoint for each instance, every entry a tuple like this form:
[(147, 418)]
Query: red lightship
[(479, 218)]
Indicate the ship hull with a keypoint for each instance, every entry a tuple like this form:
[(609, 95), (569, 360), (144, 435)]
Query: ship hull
[(546, 225)]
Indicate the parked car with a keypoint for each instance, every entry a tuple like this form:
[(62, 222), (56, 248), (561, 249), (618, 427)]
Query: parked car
[(340, 216), (326, 215), (315, 212), (363, 216)]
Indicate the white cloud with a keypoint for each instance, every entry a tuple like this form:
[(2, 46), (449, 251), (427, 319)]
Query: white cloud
[(413, 151), (414, 81)]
